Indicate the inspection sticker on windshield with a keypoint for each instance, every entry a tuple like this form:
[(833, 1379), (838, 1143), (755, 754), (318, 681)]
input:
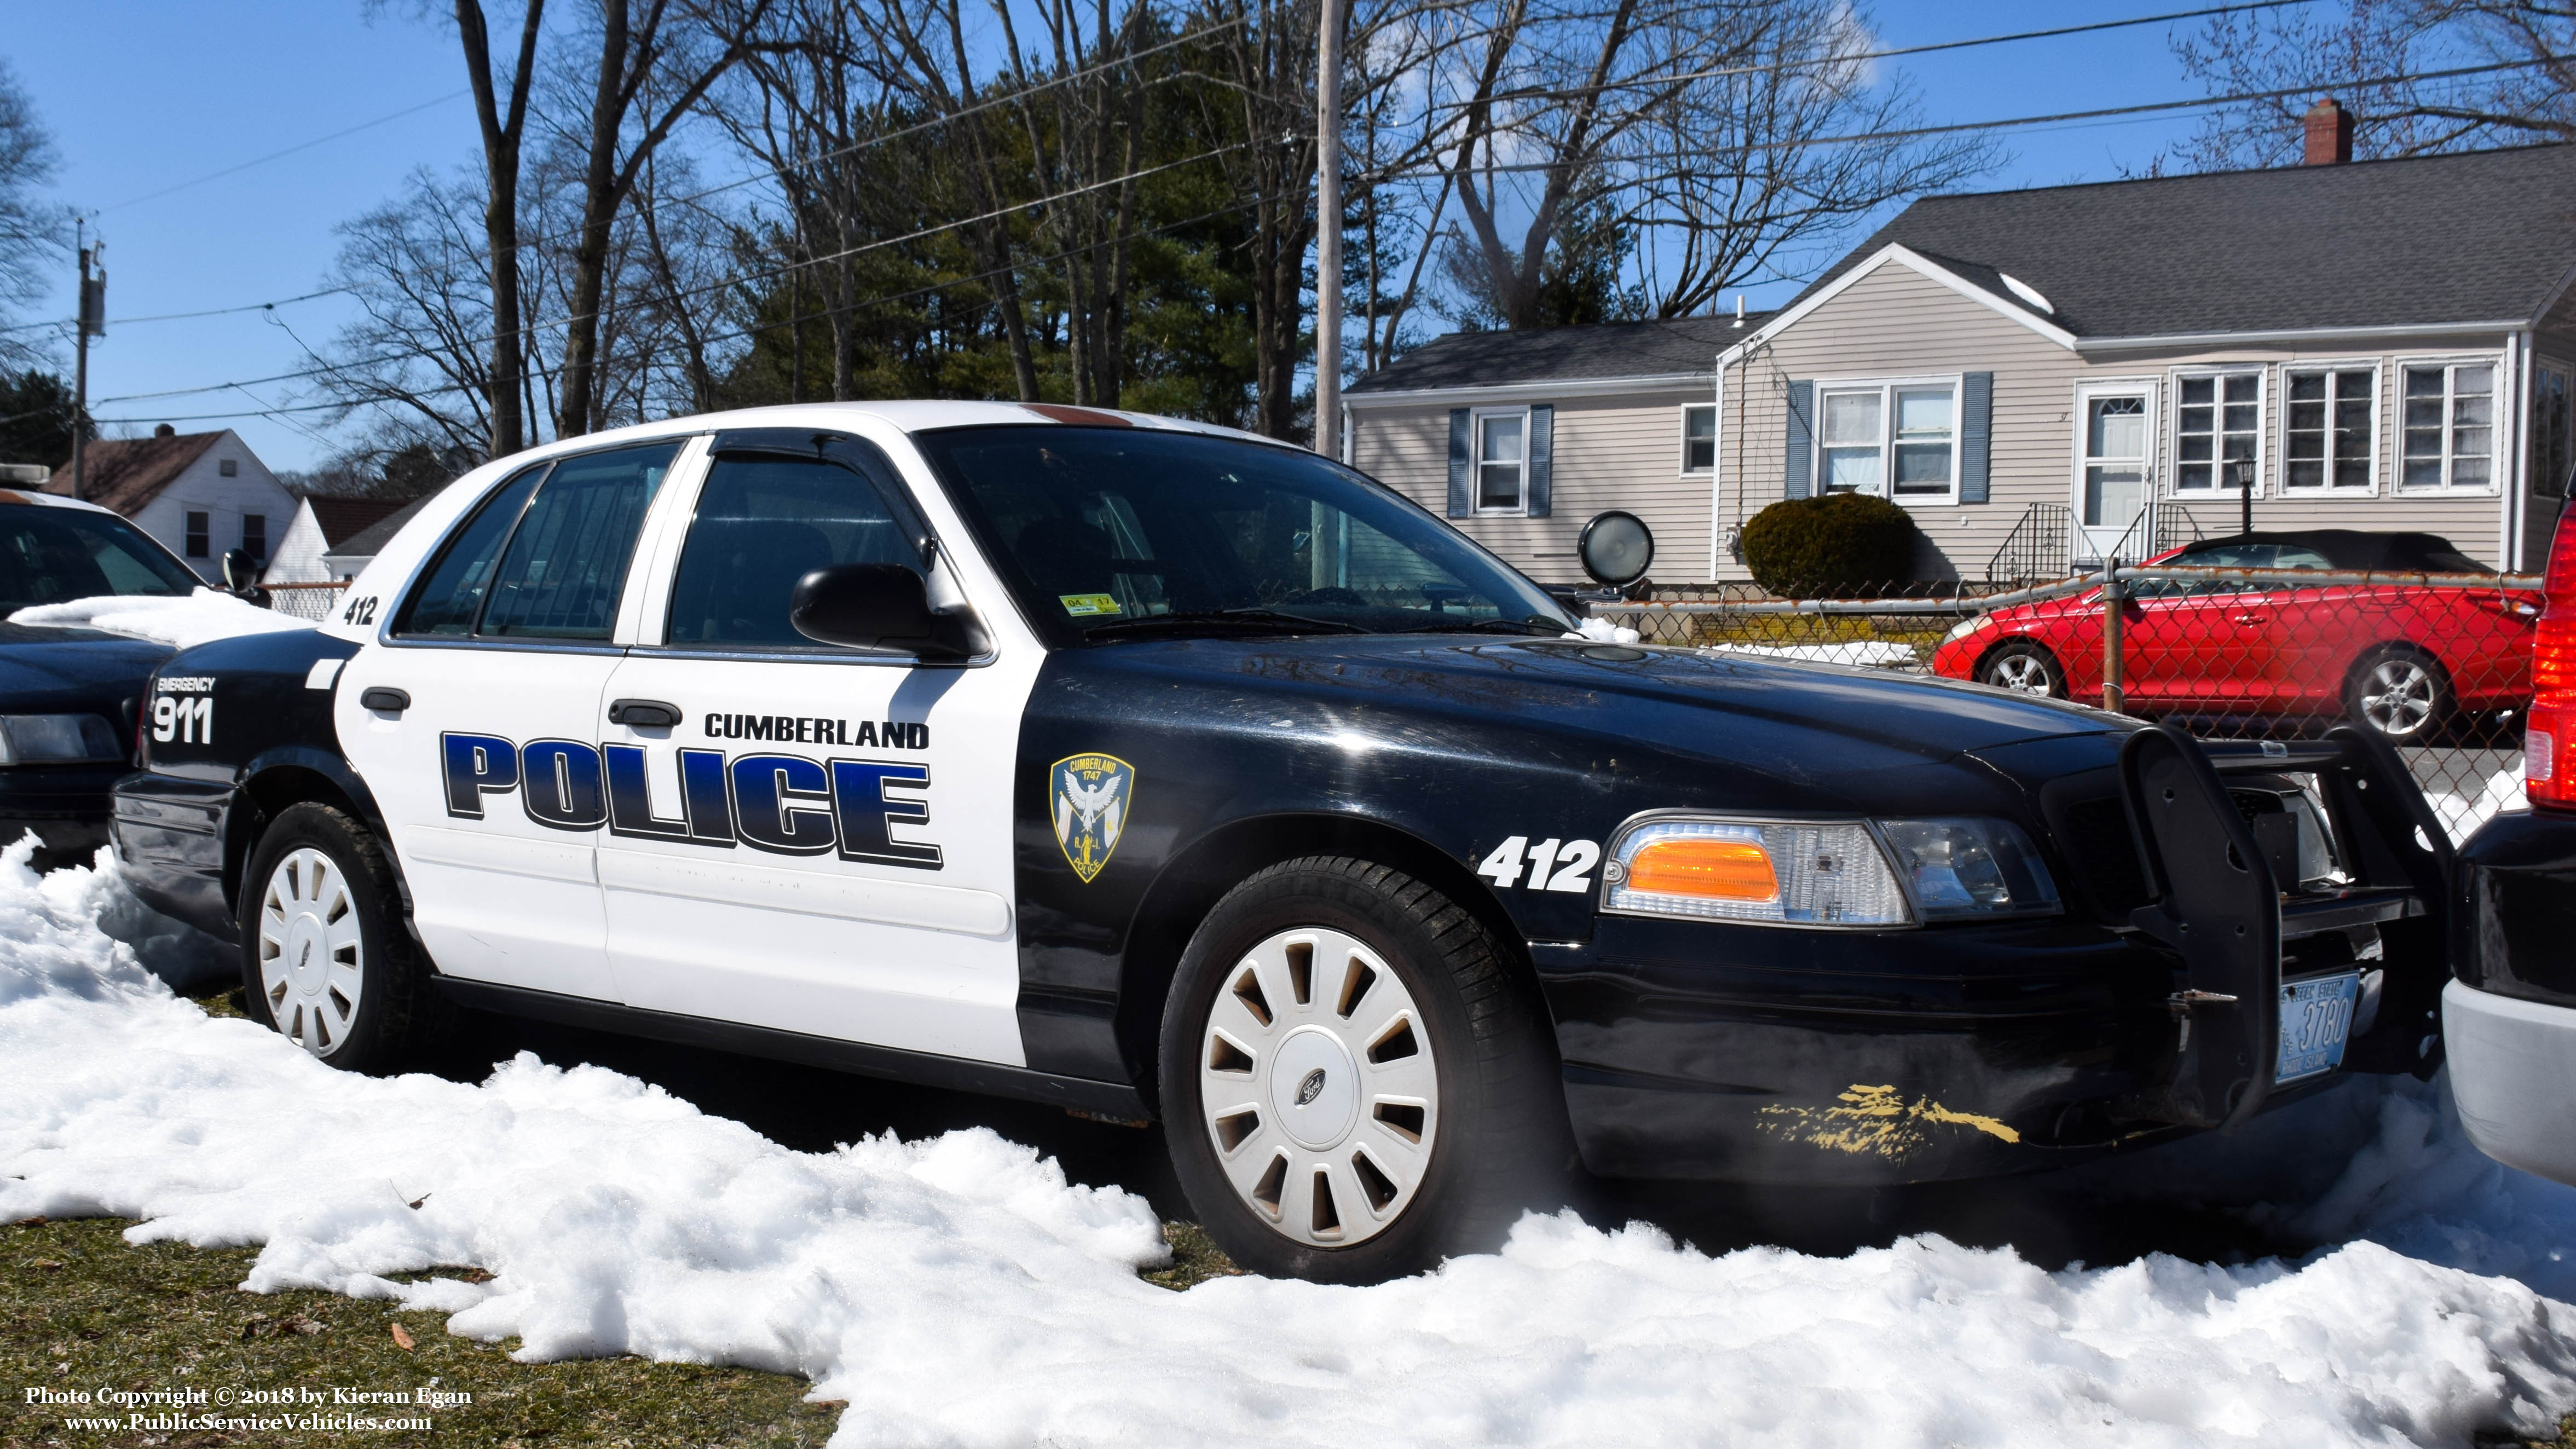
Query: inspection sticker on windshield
[(2316, 1017), (1085, 606)]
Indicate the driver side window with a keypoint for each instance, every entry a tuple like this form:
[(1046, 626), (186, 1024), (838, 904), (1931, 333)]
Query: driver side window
[(763, 522)]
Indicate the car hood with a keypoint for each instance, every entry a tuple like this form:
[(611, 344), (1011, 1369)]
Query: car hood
[(40, 664), (1719, 706)]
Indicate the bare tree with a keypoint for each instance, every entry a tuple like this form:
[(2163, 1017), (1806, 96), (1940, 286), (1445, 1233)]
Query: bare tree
[(419, 363), (504, 126), (31, 231), (655, 63), (2525, 90)]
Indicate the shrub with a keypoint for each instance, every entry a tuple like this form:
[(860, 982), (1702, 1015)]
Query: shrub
[(1840, 544)]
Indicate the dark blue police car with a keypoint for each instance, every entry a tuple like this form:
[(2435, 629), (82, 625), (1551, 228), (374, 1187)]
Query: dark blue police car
[(1162, 771)]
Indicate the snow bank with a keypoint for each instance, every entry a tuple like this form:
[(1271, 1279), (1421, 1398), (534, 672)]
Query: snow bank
[(203, 615), (959, 1290), (1858, 653), (2464, 810)]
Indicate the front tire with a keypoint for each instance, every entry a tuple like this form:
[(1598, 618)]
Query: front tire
[(325, 960), (2023, 668), (1354, 1085)]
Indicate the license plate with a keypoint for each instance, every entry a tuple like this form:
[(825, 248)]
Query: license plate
[(2316, 1019)]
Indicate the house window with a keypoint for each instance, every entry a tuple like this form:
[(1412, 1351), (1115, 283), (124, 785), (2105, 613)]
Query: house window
[(2450, 425), (197, 535), (229, 467), (2329, 429), (2218, 419), (1502, 462), (1699, 438), (1898, 440), (255, 536)]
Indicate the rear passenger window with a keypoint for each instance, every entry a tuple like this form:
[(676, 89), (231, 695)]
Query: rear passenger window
[(549, 566), (763, 522)]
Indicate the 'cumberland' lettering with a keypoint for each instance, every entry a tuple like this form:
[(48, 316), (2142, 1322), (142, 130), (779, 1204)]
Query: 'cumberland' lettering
[(798, 729)]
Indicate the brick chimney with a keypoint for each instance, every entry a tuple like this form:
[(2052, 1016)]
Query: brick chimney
[(2329, 133)]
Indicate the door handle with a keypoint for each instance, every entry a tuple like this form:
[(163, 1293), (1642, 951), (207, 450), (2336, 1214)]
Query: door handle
[(384, 699), (650, 714), (2250, 618)]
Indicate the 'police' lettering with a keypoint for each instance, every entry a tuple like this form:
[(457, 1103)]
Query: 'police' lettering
[(560, 785), (859, 799), (766, 792), (476, 766), (630, 801)]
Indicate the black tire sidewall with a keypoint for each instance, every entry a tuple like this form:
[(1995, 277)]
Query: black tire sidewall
[(1486, 1053), (2445, 699), (2017, 649), (380, 1035)]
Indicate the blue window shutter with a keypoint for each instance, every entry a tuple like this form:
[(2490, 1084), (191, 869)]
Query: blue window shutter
[(1976, 435), (1542, 458), (1800, 458), (1461, 502)]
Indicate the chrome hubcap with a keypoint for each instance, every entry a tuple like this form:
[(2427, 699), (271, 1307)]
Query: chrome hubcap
[(2397, 697), (1318, 1086), (310, 955), (2022, 674)]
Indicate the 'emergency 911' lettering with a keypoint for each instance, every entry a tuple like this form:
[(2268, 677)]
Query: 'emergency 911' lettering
[(783, 804)]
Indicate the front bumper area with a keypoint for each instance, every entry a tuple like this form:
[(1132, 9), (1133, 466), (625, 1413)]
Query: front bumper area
[(172, 833), (2513, 1073), (66, 805)]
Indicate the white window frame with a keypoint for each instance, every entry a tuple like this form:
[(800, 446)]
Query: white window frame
[(1887, 388), (1687, 470), (2218, 487), (2500, 393), (1476, 462), (2378, 370)]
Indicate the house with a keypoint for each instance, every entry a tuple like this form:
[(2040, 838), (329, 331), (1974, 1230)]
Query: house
[(200, 494), (345, 558), (2051, 375), (320, 525)]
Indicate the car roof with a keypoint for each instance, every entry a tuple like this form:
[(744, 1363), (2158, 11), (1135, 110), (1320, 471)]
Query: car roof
[(2353, 548), (47, 500), (911, 416)]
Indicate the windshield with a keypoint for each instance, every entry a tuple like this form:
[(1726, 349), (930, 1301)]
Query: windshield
[(1129, 532), (54, 555)]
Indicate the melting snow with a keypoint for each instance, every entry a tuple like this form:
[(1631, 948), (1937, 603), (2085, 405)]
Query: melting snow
[(960, 1290), (180, 622)]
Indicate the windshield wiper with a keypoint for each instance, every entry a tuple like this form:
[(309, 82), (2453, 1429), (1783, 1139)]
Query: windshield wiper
[(1269, 621), (1535, 624)]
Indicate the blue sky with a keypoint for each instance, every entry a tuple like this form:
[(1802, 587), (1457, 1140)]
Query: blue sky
[(145, 96)]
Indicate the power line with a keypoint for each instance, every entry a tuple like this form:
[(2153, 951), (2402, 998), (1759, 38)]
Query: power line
[(279, 155)]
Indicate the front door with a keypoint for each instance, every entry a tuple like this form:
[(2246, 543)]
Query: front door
[(2115, 448), (489, 775), (803, 837)]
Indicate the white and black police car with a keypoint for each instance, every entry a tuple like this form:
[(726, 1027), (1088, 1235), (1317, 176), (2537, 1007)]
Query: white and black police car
[(1161, 771)]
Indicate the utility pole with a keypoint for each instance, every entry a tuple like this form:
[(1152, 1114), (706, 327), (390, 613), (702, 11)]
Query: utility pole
[(1328, 231), (91, 323)]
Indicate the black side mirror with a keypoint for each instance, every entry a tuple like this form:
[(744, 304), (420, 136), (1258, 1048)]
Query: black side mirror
[(241, 572), (1616, 549), (881, 606)]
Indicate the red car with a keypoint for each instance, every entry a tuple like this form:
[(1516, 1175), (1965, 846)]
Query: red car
[(2402, 659)]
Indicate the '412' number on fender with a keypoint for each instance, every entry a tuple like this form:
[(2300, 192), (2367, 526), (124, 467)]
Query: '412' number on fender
[(1553, 864)]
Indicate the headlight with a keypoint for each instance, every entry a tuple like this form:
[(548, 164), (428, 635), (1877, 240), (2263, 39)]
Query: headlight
[(1792, 872), (1962, 868), (1825, 873), (27, 739)]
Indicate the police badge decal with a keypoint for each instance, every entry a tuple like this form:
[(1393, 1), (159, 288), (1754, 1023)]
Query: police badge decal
[(1092, 795)]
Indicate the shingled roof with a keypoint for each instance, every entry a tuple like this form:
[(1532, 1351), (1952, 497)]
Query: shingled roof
[(369, 541), (1685, 345), (2480, 237), (124, 474), (343, 517)]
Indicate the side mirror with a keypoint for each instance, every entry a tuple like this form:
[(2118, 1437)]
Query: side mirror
[(1616, 548), (241, 572), (881, 606)]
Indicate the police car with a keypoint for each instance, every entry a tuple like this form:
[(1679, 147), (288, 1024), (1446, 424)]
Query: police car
[(1161, 771)]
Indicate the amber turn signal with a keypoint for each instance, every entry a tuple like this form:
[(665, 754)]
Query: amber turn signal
[(1714, 869)]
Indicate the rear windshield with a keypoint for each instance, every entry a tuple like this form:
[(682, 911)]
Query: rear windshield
[(1113, 530), (54, 555)]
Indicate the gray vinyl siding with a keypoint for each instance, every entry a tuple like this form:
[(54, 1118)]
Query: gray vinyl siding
[(1620, 452)]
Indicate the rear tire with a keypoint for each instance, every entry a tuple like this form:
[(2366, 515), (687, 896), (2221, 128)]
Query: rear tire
[(326, 962), (2401, 692), (2024, 668), (1354, 1085)]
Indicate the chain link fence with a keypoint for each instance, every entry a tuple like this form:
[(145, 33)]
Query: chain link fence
[(2439, 664), (317, 602)]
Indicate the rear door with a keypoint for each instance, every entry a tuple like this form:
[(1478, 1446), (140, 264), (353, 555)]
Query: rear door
[(818, 840), (2202, 645), (490, 777)]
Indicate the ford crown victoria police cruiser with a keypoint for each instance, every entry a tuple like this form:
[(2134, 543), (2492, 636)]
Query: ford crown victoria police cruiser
[(1157, 770)]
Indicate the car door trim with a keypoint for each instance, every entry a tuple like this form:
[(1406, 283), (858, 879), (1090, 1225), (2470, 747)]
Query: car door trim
[(954, 909)]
